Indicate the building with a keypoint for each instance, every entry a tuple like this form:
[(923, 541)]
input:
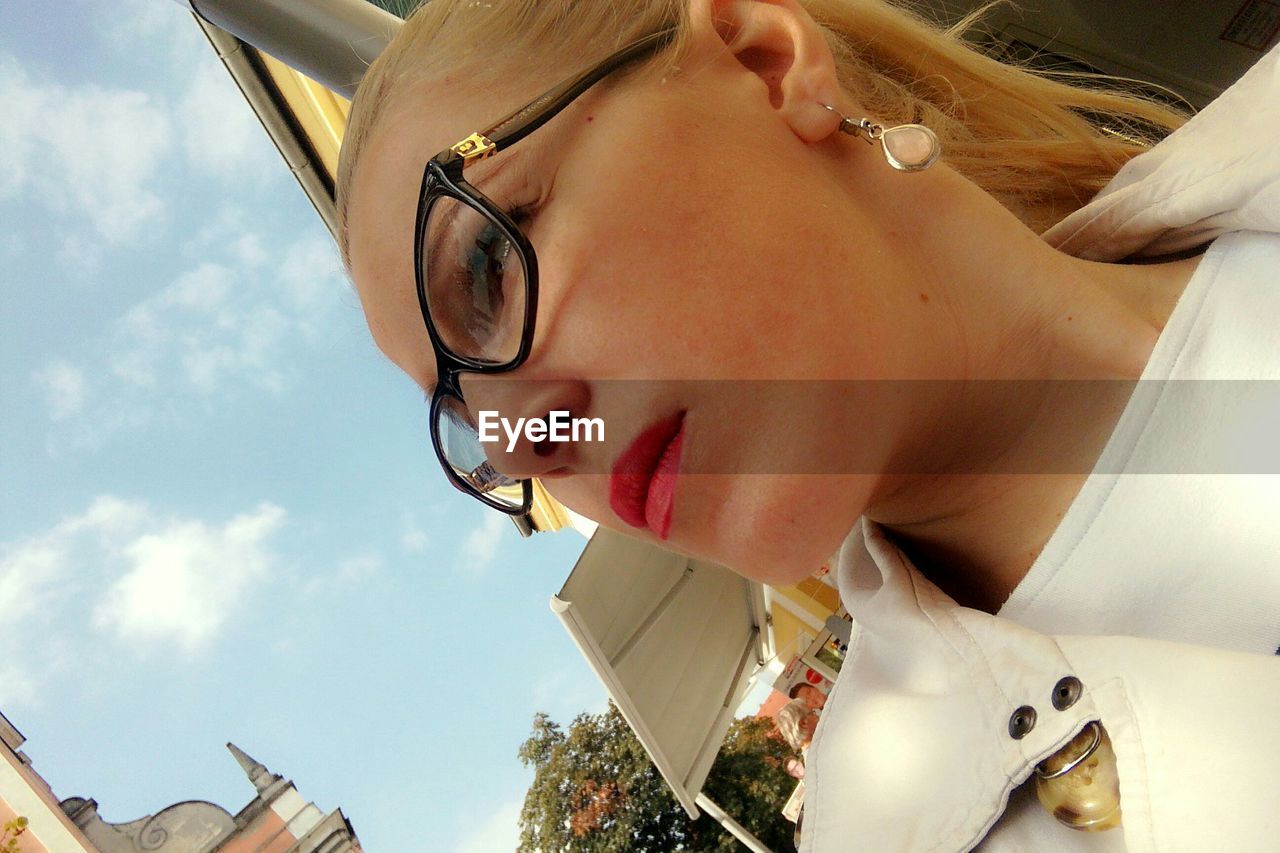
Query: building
[(25, 794), (276, 820)]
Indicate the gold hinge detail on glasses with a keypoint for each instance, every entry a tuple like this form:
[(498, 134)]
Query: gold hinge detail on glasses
[(474, 147)]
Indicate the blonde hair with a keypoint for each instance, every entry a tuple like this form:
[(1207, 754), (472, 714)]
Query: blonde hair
[(1042, 144)]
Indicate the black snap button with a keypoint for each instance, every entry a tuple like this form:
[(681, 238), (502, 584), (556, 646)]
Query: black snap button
[(1021, 722), (1066, 692)]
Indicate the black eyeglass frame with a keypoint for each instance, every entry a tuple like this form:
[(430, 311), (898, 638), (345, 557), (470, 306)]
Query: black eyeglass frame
[(442, 178)]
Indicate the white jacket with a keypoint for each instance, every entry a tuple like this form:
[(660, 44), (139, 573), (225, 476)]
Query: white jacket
[(1164, 600)]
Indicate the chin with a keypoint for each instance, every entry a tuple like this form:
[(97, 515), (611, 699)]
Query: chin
[(785, 563), (776, 574), (769, 555), (773, 530)]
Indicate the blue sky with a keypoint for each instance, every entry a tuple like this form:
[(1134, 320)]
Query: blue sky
[(220, 518)]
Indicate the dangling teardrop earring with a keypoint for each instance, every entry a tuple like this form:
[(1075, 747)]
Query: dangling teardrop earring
[(907, 147)]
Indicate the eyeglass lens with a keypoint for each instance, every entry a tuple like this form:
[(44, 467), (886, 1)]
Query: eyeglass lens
[(460, 445), (475, 283)]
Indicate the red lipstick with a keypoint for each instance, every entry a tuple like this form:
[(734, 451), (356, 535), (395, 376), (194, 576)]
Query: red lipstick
[(642, 484)]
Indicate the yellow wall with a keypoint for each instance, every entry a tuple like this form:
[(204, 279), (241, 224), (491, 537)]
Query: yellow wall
[(811, 597), (818, 598), (321, 113)]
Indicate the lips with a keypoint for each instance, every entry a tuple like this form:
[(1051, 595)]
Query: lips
[(642, 484)]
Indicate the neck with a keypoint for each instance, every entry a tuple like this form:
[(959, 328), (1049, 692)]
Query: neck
[(1067, 338)]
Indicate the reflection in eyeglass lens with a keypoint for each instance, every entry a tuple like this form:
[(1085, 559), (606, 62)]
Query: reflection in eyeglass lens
[(460, 443), (475, 283)]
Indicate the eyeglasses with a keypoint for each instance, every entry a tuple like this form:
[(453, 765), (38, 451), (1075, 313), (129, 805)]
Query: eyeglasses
[(477, 280)]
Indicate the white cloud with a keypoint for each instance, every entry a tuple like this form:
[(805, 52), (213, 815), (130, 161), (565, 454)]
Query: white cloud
[(189, 316), (35, 582), (28, 574), (203, 290), (307, 274), (247, 249), (358, 569), (80, 255), (216, 130), (90, 152), (111, 517), (223, 229), (413, 539), (164, 28), (480, 546), (125, 570), (246, 321), (221, 136), (184, 577), (216, 324), (351, 572), (63, 386), (494, 832), (16, 687)]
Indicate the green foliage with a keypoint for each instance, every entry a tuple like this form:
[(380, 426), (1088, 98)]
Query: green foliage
[(9, 837), (594, 789), (750, 782)]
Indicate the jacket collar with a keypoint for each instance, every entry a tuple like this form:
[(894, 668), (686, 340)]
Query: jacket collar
[(1218, 173)]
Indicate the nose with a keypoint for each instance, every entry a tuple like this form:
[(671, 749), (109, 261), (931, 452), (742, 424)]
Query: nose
[(527, 425)]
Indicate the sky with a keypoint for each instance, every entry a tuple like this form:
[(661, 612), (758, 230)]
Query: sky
[(221, 519)]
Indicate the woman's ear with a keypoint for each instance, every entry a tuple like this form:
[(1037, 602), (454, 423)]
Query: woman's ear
[(781, 44)]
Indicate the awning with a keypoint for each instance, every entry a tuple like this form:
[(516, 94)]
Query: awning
[(675, 642)]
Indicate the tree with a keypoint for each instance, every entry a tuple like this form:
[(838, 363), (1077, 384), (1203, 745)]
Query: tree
[(750, 782), (594, 789), (11, 831)]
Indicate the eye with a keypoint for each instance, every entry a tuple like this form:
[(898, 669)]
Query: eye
[(488, 254), (494, 283), (475, 282)]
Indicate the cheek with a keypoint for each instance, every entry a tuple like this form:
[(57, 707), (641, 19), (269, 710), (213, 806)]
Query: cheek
[(705, 269), (696, 274)]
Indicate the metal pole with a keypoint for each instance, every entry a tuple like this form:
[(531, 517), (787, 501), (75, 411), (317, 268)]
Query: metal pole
[(330, 41), (737, 830), (298, 156)]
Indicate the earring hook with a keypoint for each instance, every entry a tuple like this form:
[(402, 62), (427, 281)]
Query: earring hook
[(906, 147), (866, 128)]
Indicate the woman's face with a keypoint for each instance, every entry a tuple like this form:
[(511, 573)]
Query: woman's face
[(683, 231)]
